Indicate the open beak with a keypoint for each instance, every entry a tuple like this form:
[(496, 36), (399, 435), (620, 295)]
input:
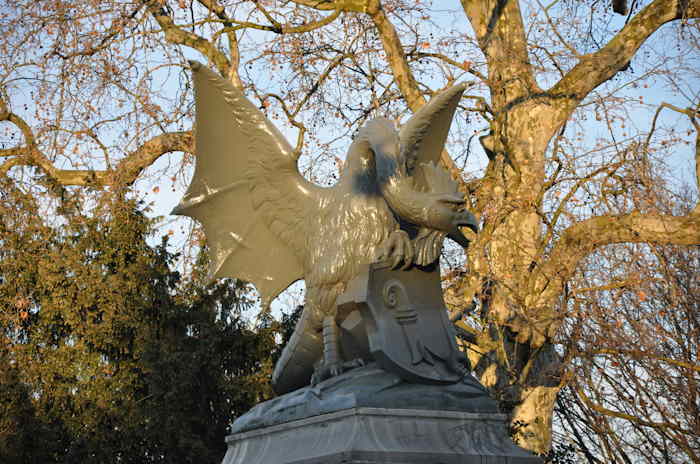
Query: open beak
[(467, 220)]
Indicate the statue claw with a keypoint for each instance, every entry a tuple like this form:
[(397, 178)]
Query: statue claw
[(397, 248), (327, 370)]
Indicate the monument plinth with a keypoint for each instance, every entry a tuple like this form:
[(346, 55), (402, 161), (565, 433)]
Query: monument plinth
[(368, 416), (381, 436)]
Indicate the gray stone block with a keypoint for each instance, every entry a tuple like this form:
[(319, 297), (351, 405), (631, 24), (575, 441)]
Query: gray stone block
[(366, 387), (381, 436)]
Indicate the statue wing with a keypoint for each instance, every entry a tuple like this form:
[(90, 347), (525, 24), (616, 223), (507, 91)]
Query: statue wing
[(246, 191), (422, 140), (423, 136)]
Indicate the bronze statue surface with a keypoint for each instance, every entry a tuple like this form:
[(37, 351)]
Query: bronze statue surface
[(266, 224)]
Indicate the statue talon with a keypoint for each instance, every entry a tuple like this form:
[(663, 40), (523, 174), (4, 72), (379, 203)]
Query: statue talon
[(324, 371), (316, 377), (354, 363), (335, 369), (331, 364), (397, 248)]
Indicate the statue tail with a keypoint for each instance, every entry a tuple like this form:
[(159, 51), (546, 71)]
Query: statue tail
[(296, 365)]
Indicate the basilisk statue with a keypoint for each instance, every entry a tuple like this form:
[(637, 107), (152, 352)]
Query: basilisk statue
[(268, 225)]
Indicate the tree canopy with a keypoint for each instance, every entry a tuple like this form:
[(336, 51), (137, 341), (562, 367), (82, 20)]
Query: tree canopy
[(107, 355), (566, 141)]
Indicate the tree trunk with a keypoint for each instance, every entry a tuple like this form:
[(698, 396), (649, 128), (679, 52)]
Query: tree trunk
[(520, 364)]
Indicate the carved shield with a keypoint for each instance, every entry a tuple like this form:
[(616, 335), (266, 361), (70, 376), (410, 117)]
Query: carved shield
[(399, 318)]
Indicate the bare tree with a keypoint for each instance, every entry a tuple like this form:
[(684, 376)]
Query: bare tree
[(94, 92), (632, 340), (633, 395)]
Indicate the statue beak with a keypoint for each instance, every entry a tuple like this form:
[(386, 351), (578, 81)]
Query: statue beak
[(177, 211), (467, 220)]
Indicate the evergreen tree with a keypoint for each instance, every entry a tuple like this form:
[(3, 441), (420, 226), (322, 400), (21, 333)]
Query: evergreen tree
[(107, 354)]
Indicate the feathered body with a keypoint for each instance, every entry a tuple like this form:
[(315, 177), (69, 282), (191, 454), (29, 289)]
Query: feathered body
[(266, 224)]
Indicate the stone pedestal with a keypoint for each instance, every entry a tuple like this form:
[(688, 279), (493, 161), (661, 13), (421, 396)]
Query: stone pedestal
[(367, 435), (371, 416)]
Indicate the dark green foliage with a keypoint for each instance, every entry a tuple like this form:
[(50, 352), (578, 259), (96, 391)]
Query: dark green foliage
[(106, 354), (287, 325), (19, 425)]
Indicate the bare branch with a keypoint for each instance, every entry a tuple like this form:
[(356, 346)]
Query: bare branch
[(598, 67), (7, 115), (584, 237), (217, 9), (290, 117), (126, 172), (312, 25), (321, 79), (600, 288), (464, 66), (609, 412), (179, 36), (396, 57), (115, 29), (128, 169), (357, 6), (692, 114), (276, 27), (279, 28), (608, 169), (9, 164), (638, 354)]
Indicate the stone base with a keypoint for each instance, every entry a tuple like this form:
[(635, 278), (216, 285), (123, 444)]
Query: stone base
[(366, 387), (379, 435)]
